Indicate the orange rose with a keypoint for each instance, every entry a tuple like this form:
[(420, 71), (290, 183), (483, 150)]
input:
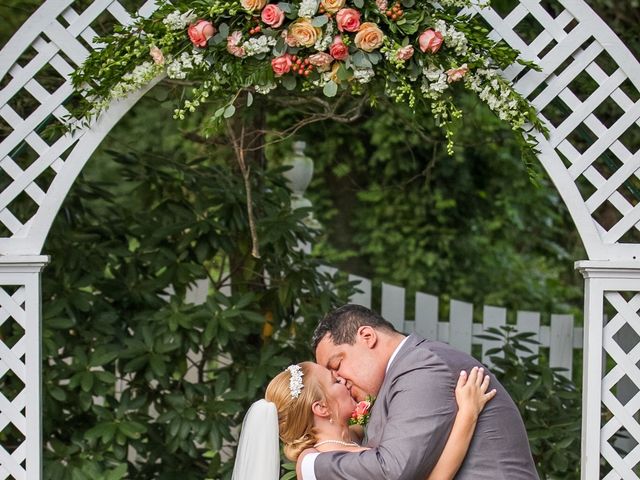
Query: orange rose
[(369, 37), (302, 34), (332, 6), (252, 5)]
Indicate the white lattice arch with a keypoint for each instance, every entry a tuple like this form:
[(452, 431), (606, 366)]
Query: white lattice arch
[(570, 43)]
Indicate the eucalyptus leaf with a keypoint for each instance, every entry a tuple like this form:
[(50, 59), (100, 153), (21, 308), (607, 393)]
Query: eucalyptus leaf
[(229, 111), (319, 21), (330, 89), (289, 82), (360, 60), (284, 6), (249, 99), (343, 74), (358, 3)]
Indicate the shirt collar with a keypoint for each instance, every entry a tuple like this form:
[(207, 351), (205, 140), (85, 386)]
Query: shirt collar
[(395, 352)]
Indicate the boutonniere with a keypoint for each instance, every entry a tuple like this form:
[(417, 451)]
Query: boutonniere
[(362, 412)]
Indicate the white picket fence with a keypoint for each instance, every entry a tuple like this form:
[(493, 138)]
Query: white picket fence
[(560, 336)]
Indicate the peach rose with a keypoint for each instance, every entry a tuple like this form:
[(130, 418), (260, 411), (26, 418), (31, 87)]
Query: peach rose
[(321, 61), (348, 20), (272, 15), (281, 65), (233, 42), (338, 49), (404, 53), (200, 32), (362, 408), (253, 5), (455, 74), (156, 54), (369, 37), (302, 34), (430, 41), (332, 6)]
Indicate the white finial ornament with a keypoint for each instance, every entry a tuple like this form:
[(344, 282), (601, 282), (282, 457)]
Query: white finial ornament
[(295, 382)]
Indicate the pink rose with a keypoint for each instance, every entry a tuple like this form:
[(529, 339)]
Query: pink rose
[(321, 61), (338, 49), (272, 15), (404, 53), (233, 41), (348, 20), (430, 41), (200, 32), (362, 408), (156, 54), (281, 65), (455, 74)]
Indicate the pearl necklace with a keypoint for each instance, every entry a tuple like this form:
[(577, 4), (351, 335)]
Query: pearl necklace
[(339, 442)]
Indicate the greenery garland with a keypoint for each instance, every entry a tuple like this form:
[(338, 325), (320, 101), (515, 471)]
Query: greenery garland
[(412, 51)]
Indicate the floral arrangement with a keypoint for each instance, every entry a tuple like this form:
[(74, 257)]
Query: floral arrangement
[(360, 415), (409, 50)]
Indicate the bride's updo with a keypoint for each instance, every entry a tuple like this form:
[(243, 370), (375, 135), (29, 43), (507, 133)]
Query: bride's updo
[(295, 417)]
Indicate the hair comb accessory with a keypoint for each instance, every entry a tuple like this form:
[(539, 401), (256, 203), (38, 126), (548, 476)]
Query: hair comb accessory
[(295, 382)]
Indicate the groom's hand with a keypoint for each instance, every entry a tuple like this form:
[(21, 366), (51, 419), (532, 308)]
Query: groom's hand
[(299, 462)]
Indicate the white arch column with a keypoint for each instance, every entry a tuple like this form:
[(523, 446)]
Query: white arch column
[(592, 177), (21, 358), (611, 353)]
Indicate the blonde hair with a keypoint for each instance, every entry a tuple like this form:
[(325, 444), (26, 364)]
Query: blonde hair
[(295, 417)]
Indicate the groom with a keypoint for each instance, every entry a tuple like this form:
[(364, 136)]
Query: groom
[(414, 381)]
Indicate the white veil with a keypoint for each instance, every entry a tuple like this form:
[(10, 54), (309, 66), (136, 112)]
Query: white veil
[(258, 454)]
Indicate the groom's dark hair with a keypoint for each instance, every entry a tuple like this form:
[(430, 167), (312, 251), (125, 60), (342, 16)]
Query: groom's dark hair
[(343, 324)]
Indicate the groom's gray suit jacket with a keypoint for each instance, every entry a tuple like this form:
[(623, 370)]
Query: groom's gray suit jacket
[(413, 415)]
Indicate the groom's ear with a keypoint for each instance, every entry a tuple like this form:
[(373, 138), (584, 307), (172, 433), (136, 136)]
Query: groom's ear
[(368, 335)]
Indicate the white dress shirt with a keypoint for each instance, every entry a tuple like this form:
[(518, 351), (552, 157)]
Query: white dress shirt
[(308, 462)]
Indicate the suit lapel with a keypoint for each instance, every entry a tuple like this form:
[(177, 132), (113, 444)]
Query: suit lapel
[(375, 427)]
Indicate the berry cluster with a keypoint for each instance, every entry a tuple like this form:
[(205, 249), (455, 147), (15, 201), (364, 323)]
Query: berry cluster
[(301, 66), (395, 13)]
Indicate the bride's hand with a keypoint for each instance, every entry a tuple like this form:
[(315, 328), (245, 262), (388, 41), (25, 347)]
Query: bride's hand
[(471, 392)]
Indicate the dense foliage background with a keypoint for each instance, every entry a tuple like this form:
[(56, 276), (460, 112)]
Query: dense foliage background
[(159, 206)]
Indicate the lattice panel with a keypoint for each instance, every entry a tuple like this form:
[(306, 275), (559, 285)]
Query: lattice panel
[(13, 380), (35, 90), (588, 93), (620, 435)]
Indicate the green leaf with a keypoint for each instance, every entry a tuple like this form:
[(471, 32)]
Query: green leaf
[(330, 89), (229, 111), (289, 82), (358, 3), (117, 473), (319, 21)]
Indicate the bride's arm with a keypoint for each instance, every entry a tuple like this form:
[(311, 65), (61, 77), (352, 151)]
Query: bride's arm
[(471, 399)]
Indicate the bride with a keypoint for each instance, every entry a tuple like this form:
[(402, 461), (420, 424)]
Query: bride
[(307, 408)]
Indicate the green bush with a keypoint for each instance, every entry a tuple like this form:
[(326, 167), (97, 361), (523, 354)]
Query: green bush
[(550, 404), (116, 344)]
